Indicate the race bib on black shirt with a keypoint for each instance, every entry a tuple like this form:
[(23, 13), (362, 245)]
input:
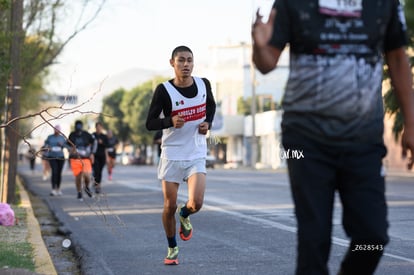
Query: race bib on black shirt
[(343, 8)]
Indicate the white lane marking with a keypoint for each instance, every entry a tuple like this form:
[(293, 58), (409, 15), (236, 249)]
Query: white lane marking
[(228, 203)]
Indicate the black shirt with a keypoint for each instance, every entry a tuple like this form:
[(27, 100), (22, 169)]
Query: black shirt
[(333, 92), (102, 144), (83, 142)]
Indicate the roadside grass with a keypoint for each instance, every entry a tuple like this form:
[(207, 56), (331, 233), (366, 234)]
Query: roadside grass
[(15, 250)]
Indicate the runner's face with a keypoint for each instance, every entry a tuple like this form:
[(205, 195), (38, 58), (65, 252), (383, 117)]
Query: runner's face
[(183, 64), (99, 128)]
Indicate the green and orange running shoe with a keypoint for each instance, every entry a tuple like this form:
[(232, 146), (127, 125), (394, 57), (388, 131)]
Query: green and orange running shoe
[(172, 256), (186, 229)]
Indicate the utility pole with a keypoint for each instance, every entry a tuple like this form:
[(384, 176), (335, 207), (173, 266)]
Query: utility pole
[(253, 112), (13, 104)]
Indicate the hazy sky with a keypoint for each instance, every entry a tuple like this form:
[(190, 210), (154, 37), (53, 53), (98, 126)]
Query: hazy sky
[(142, 33)]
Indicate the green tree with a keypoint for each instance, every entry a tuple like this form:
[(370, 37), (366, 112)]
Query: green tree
[(244, 105), (29, 44), (409, 12), (390, 100), (128, 108), (135, 106), (112, 116), (5, 39), (42, 44)]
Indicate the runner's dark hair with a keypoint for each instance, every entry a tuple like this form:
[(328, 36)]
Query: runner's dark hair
[(180, 49)]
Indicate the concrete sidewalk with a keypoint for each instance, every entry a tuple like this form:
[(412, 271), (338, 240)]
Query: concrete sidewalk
[(43, 262)]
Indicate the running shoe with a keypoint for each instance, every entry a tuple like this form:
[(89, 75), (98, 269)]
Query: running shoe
[(172, 256), (88, 191), (97, 188), (80, 196), (186, 229)]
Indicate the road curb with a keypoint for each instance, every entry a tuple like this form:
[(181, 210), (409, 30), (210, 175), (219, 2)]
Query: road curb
[(43, 262)]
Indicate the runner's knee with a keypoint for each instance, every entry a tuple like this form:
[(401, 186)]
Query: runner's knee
[(194, 206), (170, 208)]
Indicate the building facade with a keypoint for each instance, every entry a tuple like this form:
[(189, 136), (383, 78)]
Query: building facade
[(235, 143), (240, 141)]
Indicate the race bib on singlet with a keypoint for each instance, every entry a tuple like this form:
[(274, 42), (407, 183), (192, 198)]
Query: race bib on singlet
[(56, 148), (343, 8), (82, 152)]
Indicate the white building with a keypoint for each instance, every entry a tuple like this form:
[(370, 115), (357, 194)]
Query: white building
[(233, 78)]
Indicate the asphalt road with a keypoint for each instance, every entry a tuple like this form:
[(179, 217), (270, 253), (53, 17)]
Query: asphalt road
[(246, 226)]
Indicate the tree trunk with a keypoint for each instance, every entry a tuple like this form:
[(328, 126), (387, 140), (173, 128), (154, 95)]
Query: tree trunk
[(13, 104)]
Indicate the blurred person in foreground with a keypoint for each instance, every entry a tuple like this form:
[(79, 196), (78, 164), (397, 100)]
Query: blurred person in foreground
[(81, 156), (183, 108), (333, 117)]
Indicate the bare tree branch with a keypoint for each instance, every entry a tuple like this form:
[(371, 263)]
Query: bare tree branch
[(77, 30), (62, 112)]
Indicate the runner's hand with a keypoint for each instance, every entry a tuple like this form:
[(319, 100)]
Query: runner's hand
[(178, 121), (262, 32), (203, 128)]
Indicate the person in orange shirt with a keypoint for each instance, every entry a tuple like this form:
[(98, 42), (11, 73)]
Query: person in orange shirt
[(82, 147)]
